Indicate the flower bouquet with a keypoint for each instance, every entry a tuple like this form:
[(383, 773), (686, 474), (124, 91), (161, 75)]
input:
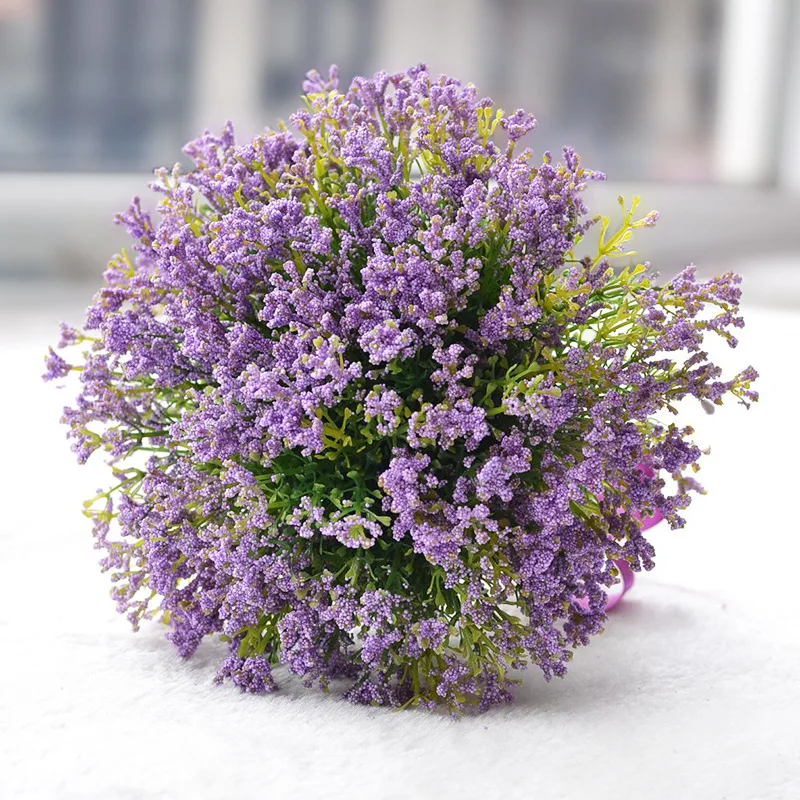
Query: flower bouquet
[(370, 417)]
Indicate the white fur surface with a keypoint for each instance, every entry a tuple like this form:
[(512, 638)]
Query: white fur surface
[(692, 692)]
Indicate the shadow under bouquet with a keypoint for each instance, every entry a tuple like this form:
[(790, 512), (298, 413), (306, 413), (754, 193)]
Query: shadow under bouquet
[(369, 415)]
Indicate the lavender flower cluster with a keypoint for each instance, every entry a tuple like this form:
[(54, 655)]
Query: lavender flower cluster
[(369, 416)]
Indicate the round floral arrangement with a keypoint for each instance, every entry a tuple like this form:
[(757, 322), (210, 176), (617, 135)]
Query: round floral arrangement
[(369, 415)]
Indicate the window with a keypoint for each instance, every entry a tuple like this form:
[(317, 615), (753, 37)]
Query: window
[(668, 91)]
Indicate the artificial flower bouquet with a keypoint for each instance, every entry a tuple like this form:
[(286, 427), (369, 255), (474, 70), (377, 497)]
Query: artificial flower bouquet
[(370, 417)]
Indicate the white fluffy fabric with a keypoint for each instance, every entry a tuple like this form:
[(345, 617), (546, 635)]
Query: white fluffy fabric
[(692, 692)]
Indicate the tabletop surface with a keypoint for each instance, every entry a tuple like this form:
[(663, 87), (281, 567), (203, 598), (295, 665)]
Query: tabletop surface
[(693, 691)]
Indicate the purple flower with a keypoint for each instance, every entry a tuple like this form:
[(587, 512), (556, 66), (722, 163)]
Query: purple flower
[(369, 416), (56, 367)]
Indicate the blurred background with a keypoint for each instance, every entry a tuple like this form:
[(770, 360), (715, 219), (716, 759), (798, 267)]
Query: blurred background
[(693, 104)]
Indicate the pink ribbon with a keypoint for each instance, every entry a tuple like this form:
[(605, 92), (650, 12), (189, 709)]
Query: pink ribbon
[(625, 568), (625, 571), (614, 597)]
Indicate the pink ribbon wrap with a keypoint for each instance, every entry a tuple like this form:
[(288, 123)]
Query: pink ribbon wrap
[(626, 573)]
